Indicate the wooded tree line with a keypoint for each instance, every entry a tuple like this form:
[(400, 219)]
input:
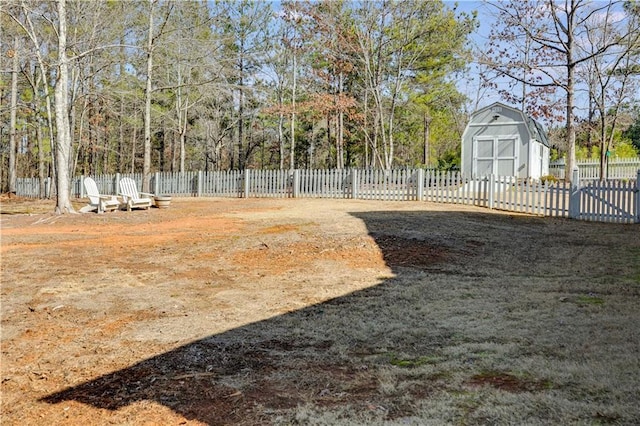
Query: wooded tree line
[(158, 85)]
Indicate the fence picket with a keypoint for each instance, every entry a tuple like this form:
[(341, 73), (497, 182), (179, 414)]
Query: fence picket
[(449, 187), (622, 188), (625, 203), (605, 209), (541, 197)]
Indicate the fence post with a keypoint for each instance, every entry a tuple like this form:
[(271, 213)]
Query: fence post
[(574, 194), (420, 186), (200, 183), (116, 184), (156, 183), (408, 180), (296, 183), (247, 175), (354, 184), (638, 197), (81, 186), (492, 184)]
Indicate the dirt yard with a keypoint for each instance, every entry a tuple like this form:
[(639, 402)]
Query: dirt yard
[(278, 312)]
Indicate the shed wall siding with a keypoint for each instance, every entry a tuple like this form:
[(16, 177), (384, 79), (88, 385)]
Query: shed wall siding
[(499, 121)]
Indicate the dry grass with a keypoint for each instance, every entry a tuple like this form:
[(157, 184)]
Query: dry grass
[(460, 317)]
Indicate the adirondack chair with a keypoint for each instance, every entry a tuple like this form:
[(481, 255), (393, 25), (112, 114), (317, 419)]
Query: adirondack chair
[(132, 198), (97, 201)]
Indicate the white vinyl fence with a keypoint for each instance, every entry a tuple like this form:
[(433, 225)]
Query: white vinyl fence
[(605, 201), (501, 193), (619, 168)]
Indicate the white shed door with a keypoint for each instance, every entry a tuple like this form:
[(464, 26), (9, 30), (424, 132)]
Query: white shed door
[(495, 156)]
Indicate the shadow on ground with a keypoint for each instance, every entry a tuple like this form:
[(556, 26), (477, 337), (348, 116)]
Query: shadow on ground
[(331, 355)]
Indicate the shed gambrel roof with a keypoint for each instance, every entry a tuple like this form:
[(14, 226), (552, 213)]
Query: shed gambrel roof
[(536, 130)]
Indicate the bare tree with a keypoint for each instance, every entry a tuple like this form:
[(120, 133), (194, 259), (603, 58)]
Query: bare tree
[(146, 164), (610, 76), (293, 41), (153, 35), (22, 13), (554, 44)]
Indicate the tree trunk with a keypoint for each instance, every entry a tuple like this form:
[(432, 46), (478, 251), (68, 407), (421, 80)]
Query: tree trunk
[(106, 149), (12, 124), (328, 117), (183, 139), (240, 144), (181, 112), (281, 139), (603, 152), (603, 140), (365, 130), (41, 175), (63, 152), (121, 156), (241, 159), (340, 126), (50, 122), (292, 159), (134, 136), (146, 164), (571, 132), (427, 124), (523, 102)]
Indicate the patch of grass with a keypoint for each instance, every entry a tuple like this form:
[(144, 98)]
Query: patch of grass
[(625, 265), (588, 299), (16, 210), (634, 255), (413, 362)]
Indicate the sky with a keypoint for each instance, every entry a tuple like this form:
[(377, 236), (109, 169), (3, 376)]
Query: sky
[(468, 85)]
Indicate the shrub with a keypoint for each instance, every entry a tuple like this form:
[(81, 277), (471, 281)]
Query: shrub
[(549, 178)]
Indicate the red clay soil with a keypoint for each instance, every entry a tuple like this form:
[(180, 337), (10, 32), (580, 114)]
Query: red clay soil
[(87, 295)]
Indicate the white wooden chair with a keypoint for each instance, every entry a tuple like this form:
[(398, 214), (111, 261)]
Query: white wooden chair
[(97, 201), (132, 198)]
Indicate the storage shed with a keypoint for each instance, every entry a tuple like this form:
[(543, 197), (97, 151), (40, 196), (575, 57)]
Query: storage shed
[(504, 141)]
